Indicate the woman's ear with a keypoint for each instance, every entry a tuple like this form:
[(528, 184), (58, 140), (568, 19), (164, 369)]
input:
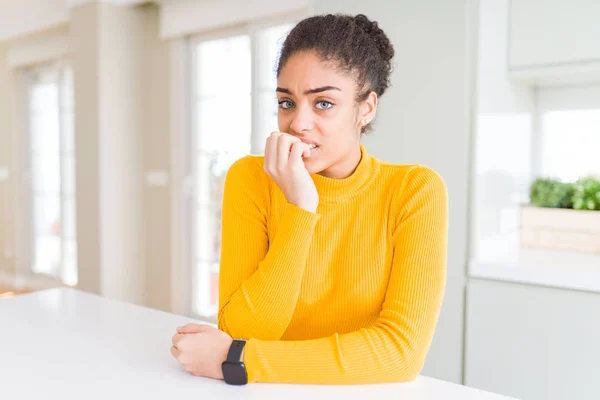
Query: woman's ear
[(367, 110)]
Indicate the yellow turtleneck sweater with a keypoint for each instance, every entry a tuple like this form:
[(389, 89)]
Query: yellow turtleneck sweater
[(350, 294)]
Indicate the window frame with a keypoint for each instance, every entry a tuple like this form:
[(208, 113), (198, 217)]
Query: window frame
[(26, 237), (186, 273)]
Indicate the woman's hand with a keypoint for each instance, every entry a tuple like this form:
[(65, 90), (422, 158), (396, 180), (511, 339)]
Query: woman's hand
[(201, 349), (284, 164)]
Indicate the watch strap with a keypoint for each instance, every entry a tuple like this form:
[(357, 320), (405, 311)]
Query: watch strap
[(235, 351)]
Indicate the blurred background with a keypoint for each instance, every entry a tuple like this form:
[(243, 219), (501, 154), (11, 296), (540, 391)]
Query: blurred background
[(119, 120)]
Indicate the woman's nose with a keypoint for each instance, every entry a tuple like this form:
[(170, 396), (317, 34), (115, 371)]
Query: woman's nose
[(302, 120)]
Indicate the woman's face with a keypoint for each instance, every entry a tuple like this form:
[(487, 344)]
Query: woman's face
[(317, 104)]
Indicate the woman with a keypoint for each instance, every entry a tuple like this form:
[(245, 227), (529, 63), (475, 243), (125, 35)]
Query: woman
[(333, 263)]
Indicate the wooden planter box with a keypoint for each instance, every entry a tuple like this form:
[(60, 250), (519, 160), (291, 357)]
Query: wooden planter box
[(560, 229)]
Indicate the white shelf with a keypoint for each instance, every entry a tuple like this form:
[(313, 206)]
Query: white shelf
[(566, 277), (501, 258)]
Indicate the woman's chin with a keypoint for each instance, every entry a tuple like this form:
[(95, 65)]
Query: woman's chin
[(311, 166)]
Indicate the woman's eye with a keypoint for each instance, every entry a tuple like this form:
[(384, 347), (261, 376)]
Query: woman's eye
[(285, 104), (324, 105)]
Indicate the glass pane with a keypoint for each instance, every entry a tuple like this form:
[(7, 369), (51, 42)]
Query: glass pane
[(46, 215), (47, 255), (210, 176), (68, 175), (44, 131), (206, 289), (571, 141), (224, 123), (267, 114), (208, 234), (51, 141), (46, 172), (270, 41), (43, 96), (210, 179), (70, 262), (204, 180), (69, 218), (223, 66)]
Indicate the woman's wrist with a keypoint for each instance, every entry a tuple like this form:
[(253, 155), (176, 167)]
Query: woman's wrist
[(307, 206)]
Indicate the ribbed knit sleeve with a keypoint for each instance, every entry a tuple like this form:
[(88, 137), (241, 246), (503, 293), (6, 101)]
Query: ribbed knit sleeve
[(393, 349), (259, 281)]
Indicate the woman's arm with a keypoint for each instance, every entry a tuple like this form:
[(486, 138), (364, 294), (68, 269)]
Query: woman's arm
[(259, 281), (395, 347)]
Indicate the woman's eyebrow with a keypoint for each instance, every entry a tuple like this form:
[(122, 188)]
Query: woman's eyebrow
[(310, 91)]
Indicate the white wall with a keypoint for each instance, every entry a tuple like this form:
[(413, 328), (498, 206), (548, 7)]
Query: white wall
[(425, 118)]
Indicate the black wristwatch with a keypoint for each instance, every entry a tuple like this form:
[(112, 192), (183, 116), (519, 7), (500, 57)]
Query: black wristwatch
[(234, 370)]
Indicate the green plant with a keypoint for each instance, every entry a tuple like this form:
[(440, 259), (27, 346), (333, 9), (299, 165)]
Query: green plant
[(548, 192), (587, 193)]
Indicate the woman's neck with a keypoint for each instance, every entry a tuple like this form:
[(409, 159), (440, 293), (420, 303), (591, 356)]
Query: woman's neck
[(344, 183), (345, 167)]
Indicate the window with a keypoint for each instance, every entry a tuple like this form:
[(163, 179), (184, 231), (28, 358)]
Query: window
[(569, 132), (51, 188), (234, 109), (558, 138)]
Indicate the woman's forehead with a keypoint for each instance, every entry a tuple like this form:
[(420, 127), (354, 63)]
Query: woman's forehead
[(305, 71)]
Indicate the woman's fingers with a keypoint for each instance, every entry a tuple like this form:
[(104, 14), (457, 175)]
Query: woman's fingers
[(297, 152), (281, 151), (189, 328), (175, 352), (176, 338), (284, 144), (271, 151)]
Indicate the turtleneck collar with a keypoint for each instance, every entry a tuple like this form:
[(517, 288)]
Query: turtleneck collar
[(333, 190)]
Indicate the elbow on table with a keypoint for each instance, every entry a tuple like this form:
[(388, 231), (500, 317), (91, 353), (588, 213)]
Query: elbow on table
[(406, 369), (409, 374), (394, 373), (406, 372)]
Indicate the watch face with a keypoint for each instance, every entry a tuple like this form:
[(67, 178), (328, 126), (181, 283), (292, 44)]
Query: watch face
[(235, 373)]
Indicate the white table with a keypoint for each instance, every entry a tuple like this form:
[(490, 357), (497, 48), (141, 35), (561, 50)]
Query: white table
[(66, 344)]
